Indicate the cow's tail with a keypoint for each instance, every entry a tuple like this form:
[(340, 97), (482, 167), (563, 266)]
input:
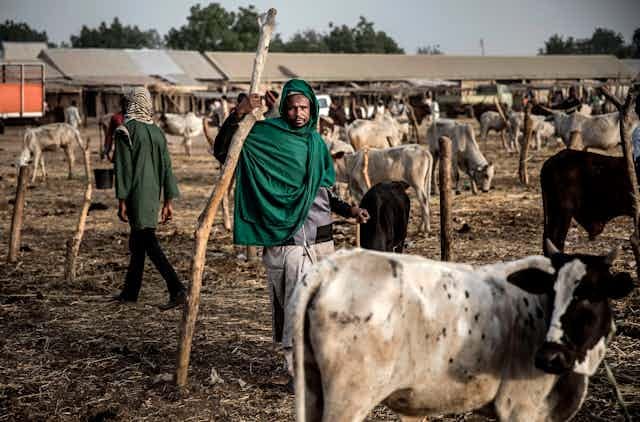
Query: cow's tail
[(310, 285)]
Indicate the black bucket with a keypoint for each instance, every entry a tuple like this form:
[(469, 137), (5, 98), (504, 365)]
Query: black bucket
[(104, 178)]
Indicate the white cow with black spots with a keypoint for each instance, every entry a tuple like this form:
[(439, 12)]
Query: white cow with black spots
[(515, 340)]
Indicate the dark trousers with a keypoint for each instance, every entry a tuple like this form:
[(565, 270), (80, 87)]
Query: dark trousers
[(144, 242)]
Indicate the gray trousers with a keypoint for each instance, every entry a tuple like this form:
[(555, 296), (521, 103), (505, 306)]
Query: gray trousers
[(286, 265)]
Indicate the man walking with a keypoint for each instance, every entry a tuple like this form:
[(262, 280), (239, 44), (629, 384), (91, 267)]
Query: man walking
[(143, 171), (282, 199), (72, 115)]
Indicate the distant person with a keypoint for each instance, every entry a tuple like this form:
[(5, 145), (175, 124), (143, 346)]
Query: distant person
[(117, 119), (72, 115), (143, 172), (379, 108)]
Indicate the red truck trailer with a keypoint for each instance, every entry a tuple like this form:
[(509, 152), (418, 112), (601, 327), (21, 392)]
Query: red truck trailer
[(21, 91)]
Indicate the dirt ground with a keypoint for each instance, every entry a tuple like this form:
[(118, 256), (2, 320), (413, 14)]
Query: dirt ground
[(68, 354)]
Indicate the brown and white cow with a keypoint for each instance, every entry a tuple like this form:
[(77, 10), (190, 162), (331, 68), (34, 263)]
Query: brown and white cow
[(515, 340), (466, 154)]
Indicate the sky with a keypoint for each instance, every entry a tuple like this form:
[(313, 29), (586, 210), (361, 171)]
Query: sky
[(508, 27)]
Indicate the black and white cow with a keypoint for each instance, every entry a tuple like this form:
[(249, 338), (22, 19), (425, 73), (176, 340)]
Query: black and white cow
[(516, 340), (388, 205)]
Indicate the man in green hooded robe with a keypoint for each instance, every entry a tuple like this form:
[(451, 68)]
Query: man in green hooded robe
[(283, 199)]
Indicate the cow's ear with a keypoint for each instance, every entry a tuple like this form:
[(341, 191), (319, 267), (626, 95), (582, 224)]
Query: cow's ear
[(619, 286), (532, 280)]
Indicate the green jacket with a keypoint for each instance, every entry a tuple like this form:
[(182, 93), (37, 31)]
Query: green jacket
[(143, 170)]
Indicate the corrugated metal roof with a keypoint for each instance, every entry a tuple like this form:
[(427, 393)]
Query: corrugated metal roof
[(89, 64), (393, 67), (18, 51), (195, 65), (92, 62), (154, 62), (27, 52), (633, 65)]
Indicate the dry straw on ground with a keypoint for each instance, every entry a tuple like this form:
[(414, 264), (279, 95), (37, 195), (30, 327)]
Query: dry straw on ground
[(67, 354)]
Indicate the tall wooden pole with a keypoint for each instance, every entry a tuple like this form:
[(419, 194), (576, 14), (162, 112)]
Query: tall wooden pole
[(205, 221), (18, 214), (73, 244), (445, 199), (626, 126), (524, 147)]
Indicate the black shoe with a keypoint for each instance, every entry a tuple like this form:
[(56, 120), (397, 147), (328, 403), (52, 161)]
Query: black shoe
[(121, 298), (178, 300)]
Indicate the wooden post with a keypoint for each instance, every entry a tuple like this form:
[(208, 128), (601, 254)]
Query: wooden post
[(73, 244), (445, 199), (626, 126), (18, 213), (205, 221), (367, 182), (524, 146)]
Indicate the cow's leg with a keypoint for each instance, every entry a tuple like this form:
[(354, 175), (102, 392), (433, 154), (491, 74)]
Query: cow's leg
[(556, 228), (434, 175), (37, 156), (186, 141), (44, 170), (505, 144), (474, 185), (455, 173), (423, 199), (538, 140), (70, 159)]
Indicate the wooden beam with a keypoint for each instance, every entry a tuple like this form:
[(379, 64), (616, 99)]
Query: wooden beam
[(446, 229), (205, 221)]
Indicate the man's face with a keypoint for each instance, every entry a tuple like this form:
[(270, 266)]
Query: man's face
[(298, 110)]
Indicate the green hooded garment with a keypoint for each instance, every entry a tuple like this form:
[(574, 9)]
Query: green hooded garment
[(279, 173)]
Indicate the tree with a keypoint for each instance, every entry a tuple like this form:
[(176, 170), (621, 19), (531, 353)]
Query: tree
[(430, 49), (20, 31), (213, 28), (363, 38), (557, 45), (602, 41), (116, 35), (606, 41), (308, 41), (635, 44)]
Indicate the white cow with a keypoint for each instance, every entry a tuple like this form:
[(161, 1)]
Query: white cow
[(492, 120), (188, 126), (542, 130), (466, 154), (601, 131), (512, 340), (49, 138), (405, 163), (382, 132)]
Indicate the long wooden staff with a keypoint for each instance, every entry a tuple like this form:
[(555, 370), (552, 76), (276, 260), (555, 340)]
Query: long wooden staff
[(205, 221)]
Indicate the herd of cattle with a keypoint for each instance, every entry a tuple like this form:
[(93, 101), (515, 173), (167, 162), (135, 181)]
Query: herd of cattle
[(517, 340)]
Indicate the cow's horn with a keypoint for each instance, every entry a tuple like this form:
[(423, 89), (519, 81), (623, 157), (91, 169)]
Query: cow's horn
[(551, 248), (611, 256)]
